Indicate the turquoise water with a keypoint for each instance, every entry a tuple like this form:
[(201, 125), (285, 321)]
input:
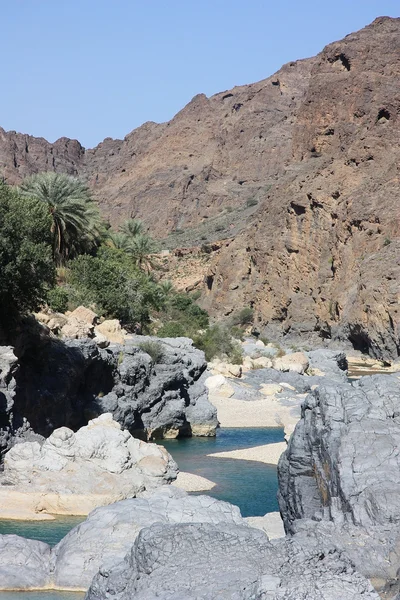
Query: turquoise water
[(250, 485), (50, 532)]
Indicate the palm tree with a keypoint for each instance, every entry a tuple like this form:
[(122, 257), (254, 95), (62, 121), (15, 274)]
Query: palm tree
[(77, 225), (130, 239), (140, 248), (131, 228)]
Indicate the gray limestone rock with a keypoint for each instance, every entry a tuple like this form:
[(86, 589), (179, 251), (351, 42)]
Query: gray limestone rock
[(24, 563), (342, 470), (226, 562), (66, 383), (109, 532), (72, 473), (333, 363), (343, 460)]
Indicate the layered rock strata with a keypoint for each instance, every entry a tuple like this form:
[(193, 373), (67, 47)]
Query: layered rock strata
[(339, 478)]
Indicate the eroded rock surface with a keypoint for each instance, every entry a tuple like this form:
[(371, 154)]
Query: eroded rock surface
[(24, 564), (109, 532), (341, 469), (72, 473), (66, 383), (226, 562)]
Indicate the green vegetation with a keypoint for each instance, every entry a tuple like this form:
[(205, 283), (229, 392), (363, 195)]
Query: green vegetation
[(217, 341), (243, 317), (387, 242), (133, 241), (51, 230), (154, 349), (57, 299), (182, 317), (76, 225), (112, 283), (172, 329), (26, 266), (251, 202)]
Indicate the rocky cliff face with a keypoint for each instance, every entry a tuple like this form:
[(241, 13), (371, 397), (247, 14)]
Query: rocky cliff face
[(54, 384), (339, 477), (313, 149)]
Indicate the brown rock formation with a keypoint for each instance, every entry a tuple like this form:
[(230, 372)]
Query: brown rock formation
[(314, 150)]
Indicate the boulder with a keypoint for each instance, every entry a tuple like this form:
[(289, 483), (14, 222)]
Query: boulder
[(247, 363), (71, 473), (24, 563), (101, 340), (84, 314), (56, 322), (111, 329), (226, 562), (329, 363), (76, 328), (227, 369), (109, 532), (270, 389), (42, 317), (217, 384), (262, 362), (296, 362)]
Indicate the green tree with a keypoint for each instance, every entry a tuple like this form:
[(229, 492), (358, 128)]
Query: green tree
[(141, 249), (140, 246), (112, 282), (76, 223), (26, 265), (131, 228)]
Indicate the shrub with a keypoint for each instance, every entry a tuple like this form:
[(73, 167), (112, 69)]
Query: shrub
[(280, 351), (153, 349), (387, 242), (216, 341), (172, 329), (251, 202), (182, 317), (115, 286), (243, 317), (237, 333), (57, 299)]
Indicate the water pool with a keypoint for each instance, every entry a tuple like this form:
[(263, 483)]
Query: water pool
[(250, 485), (50, 532)]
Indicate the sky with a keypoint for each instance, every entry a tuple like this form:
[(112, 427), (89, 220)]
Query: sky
[(90, 69)]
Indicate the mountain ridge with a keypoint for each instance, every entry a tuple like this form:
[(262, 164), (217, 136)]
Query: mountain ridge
[(313, 148)]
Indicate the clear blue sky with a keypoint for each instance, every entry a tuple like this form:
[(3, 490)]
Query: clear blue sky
[(90, 69)]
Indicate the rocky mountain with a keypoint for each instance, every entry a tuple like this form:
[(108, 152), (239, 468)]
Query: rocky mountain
[(297, 173)]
